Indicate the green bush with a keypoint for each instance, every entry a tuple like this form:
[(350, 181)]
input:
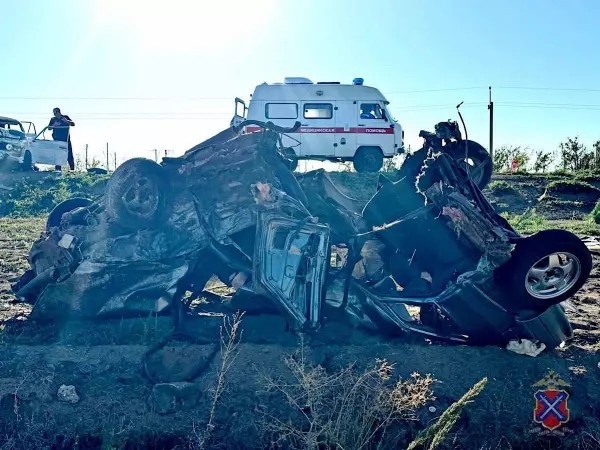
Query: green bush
[(595, 215), (571, 187), (529, 222), (500, 187), (37, 196), (504, 156)]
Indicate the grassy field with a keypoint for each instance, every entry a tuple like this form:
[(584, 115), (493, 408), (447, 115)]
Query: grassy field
[(16, 237)]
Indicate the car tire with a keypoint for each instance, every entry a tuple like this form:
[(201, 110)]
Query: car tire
[(556, 260), (368, 159), (27, 165), (138, 194), (62, 208), (477, 157)]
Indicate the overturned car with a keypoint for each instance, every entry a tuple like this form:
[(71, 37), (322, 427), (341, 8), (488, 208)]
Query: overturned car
[(426, 254)]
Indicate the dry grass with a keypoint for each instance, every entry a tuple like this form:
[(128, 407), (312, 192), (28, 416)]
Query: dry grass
[(347, 409), (436, 433), (231, 335)]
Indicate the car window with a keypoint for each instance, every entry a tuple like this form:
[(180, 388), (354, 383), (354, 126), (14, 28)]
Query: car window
[(281, 111), (318, 110), (371, 111), (12, 126)]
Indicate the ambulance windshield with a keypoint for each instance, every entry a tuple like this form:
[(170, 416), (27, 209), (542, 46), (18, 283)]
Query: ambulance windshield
[(389, 115)]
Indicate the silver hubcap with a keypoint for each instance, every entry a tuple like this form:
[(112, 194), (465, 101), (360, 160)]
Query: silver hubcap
[(553, 275)]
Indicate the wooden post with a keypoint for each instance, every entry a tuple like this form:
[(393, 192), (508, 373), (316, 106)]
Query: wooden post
[(491, 108)]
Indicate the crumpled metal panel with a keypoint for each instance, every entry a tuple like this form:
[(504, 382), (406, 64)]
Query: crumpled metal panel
[(98, 289), (110, 244), (340, 212)]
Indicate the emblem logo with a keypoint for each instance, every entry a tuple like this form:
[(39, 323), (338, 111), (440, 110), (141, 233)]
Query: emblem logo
[(551, 407)]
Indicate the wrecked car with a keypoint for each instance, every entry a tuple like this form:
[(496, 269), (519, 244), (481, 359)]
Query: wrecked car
[(23, 150), (426, 254), (13, 142)]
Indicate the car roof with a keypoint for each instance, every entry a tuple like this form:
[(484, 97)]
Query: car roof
[(9, 121)]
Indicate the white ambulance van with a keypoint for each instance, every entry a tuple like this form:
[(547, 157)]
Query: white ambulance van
[(339, 122)]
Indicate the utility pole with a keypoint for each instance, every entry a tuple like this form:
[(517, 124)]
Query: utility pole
[(155, 155), (86, 157), (491, 108), (107, 162), (115, 155)]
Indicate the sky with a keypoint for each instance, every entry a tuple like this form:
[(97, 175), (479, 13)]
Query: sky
[(154, 74)]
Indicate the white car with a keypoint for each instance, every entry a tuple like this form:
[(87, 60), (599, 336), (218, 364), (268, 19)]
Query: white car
[(30, 148)]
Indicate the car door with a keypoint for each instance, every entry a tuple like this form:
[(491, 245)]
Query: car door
[(48, 152), (318, 129), (374, 128), (345, 121)]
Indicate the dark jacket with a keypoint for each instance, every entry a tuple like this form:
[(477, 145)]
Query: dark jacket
[(61, 133)]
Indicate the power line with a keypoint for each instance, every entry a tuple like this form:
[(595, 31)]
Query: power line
[(117, 98), (211, 114), (201, 116), (145, 118), (406, 91), (427, 107), (437, 90), (550, 105), (541, 88), (136, 98), (127, 113)]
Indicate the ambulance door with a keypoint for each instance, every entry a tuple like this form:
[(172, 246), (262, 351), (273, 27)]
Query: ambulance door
[(318, 129), (374, 128), (345, 122)]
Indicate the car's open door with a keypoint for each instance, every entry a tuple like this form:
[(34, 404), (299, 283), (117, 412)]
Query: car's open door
[(47, 151), (239, 115), (291, 263)]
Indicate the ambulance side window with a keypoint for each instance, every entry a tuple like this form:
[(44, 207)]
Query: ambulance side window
[(318, 110), (371, 111), (281, 110)]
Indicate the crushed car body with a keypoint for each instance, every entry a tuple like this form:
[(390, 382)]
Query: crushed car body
[(426, 254)]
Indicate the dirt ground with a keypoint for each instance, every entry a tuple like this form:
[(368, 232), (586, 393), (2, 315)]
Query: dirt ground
[(118, 409)]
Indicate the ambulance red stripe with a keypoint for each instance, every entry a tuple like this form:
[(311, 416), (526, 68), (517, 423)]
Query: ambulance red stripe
[(356, 130)]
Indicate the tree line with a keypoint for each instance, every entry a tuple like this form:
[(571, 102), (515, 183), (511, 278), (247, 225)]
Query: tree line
[(570, 156)]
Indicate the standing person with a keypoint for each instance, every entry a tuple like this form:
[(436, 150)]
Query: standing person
[(60, 126)]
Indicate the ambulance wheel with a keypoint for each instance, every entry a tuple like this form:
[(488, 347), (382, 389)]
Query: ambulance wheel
[(368, 159), (139, 195)]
